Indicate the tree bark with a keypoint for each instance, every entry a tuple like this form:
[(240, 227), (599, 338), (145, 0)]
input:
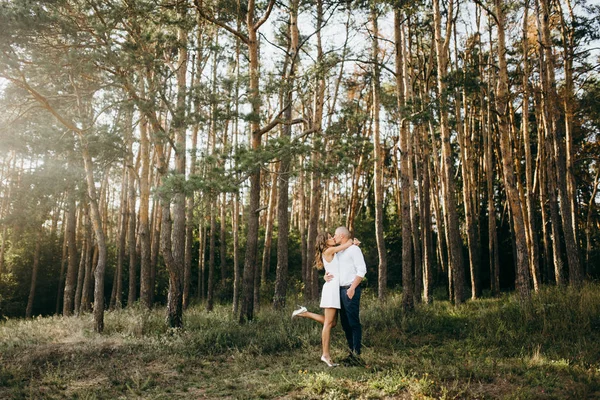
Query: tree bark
[(378, 162), (285, 166), (408, 300), (71, 277), (455, 264), (34, 273), (518, 216)]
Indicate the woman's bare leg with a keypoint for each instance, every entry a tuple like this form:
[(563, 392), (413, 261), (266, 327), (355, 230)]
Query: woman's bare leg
[(310, 315), (329, 322)]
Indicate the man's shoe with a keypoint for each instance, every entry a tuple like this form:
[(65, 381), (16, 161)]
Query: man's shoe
[(353, 361), (299, 311)]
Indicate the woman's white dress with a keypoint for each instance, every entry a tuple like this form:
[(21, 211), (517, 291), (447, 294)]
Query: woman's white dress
[(330, 296)]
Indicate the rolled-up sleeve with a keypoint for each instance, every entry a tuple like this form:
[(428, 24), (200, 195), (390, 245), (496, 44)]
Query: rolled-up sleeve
[(359, 261)]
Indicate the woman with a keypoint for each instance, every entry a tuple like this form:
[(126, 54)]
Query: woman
[(325, 257)]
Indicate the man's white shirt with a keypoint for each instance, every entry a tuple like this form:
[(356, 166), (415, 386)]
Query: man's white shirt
[(352, 264)]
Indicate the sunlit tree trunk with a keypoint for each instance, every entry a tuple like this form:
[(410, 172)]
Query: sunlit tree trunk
[(378, 161), (146, 284), (455, 264), (532, 236), (545, 145), (510, 184)]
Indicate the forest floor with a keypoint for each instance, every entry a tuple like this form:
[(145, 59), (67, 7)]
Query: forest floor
[(492, 348)]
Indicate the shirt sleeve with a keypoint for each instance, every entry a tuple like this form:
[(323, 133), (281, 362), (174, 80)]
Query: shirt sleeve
[(359, 261)]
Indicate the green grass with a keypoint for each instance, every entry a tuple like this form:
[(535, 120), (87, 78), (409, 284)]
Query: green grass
[(548, 348)]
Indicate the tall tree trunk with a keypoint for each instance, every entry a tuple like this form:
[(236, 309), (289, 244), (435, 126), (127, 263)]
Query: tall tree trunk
[(318, 146), (534, 261), (34, 272), (235, 213), (284, 167), (518, 216), (71, 277), (407, 255), (85, 301), (266, 259), (155, 242), (63, 262), (146, 284), (378, 157), (131, 231), (247, 309), (469, 189), (455, 264), (173, 230), (561, 142), (116, 296), (488, 144), (549, 124), (84, 234)]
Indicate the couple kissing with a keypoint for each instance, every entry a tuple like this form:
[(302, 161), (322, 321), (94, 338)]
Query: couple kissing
[(345, 268)]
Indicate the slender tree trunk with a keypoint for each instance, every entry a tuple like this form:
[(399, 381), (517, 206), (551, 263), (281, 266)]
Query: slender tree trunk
[(518, 216), (116, 296), (454, 239), (549, 124), (488, 144), (71, 278), (84, 233), (300, 189), (146, 282), (247, 309), (378, 162), (34, 273), (285, 167), (63, 262), (131, 233), (212, 196), (560, 144), (85, 301), (266, 259), (531, 230), (407, 255), (172, 236), (235, 214)]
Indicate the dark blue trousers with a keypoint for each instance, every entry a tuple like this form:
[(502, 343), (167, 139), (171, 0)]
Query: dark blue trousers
[(350, 316)]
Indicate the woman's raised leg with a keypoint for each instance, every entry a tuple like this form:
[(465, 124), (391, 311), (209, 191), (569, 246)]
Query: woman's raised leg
[(310, 315)]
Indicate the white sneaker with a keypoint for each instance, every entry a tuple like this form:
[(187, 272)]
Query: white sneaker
[(299, 311)]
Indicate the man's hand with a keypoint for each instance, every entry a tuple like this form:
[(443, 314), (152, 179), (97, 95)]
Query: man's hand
[(350, 293), (328, 276)]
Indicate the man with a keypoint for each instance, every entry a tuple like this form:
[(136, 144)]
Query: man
[(352, 271)]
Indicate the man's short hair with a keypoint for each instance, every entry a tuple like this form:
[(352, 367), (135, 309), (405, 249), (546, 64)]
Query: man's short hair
[(342, 230)]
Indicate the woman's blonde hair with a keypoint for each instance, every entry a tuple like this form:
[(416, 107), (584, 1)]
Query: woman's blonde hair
[(320, 247)]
